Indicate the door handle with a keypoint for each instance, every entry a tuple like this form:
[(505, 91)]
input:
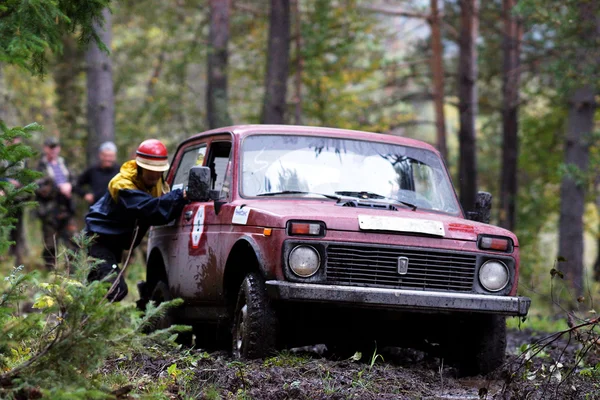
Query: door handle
[(188, 215)]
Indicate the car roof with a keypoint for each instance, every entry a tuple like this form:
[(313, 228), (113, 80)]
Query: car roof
[(245, 130)]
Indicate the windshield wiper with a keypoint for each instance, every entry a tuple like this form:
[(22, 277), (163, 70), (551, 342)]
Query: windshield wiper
[(329, 196), (371, 195)]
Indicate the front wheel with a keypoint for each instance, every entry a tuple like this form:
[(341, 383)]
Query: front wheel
[(483, 347), (255, 324)]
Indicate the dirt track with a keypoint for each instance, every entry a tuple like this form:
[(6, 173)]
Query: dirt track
[(403, 374)]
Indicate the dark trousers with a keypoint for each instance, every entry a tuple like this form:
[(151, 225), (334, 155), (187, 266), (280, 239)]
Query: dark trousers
[(109, 250), (53, 232)]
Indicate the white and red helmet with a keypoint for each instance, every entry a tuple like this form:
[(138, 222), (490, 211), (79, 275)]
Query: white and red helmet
[(152, 154)]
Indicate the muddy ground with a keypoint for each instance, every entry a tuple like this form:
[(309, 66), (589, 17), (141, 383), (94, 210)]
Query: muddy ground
[(401, 374)]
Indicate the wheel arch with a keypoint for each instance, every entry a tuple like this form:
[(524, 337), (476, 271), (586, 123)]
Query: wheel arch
[(156, 270), (243, 259)]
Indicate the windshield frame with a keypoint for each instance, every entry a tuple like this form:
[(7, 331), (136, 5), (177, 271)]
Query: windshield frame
[(239, 172)]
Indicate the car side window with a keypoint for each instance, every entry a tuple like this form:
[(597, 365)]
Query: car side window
[(218, 163), (192, 157)]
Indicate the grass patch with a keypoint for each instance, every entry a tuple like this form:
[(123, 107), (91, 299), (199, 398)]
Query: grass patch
[(541, 323), (287, 359)]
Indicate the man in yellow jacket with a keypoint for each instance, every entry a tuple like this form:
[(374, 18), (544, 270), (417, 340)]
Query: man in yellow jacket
[(137, 198)]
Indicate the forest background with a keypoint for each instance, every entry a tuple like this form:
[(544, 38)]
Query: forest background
[(506, 90), (492, 89)]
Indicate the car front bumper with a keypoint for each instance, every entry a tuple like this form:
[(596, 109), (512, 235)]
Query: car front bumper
[(409, 300)]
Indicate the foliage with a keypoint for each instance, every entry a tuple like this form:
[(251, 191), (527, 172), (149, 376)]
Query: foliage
[(68, 330), (17, 182), (537, 323), (159, 59), (537, 365), (343, 53), (565, 19), (28, 29), (159, 62)]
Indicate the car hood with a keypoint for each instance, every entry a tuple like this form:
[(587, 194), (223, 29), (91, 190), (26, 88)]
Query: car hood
[(275, 213)]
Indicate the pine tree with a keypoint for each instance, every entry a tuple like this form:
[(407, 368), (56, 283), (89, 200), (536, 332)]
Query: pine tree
[(28, 29)]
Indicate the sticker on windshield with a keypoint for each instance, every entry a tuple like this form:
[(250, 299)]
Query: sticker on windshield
[(240, 215), (378, 223), (197, 227)]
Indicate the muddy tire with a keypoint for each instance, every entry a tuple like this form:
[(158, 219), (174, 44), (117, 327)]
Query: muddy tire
[(484, 348), (255, 324)]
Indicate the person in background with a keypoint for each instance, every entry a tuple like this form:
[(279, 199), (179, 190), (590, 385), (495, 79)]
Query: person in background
[(55, 205), (137, 198), (93, 183)]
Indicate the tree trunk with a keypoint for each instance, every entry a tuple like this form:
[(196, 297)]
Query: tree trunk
[(278, 63), (513, 33), (101, 102), (580, 123), (299, 64), (580, 126), (69, 98), (437, 69), (597, 263), (3, 98), (217, 113), (467, 93)]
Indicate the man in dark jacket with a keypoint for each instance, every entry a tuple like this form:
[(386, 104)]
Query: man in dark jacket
[(93, 183), (55, 206), (137, 198)]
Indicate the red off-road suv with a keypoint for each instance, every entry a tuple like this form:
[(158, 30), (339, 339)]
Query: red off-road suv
[(298, 235)]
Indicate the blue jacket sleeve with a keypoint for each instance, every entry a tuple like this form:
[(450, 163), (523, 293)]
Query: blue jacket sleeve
[(153, 210)]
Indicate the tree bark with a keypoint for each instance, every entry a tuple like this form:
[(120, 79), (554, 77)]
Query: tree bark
[(437, 69), (278, 63), (70, 118), (299, 64), (217, 113), (580, 126), (3, 97), (467, 93), (597, 263), (101, 102), (580, 123), (513, 34)]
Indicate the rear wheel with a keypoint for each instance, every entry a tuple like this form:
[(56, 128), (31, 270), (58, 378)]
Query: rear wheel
[(161, 294), (255, 324)]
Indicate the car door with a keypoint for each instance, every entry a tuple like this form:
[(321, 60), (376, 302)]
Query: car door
[(192, 155), (197, 248)]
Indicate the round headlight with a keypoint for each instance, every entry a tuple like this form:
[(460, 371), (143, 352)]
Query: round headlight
[(304, 261), (493, 275)]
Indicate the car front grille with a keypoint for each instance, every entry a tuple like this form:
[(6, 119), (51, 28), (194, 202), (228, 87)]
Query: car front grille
[(378, 266)]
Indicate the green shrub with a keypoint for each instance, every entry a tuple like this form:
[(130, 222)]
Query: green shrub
[(55, 334)]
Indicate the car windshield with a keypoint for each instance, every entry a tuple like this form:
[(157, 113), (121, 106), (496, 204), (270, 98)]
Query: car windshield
[(313, 166)]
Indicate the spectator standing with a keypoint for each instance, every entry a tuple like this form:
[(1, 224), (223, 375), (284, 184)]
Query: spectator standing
[(55, 205), (93, 183)]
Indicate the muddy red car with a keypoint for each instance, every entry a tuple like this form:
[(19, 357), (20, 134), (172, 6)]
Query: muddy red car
[(299, 235)]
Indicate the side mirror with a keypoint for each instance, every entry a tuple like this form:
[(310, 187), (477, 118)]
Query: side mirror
[(483, 208), (199, 184)]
